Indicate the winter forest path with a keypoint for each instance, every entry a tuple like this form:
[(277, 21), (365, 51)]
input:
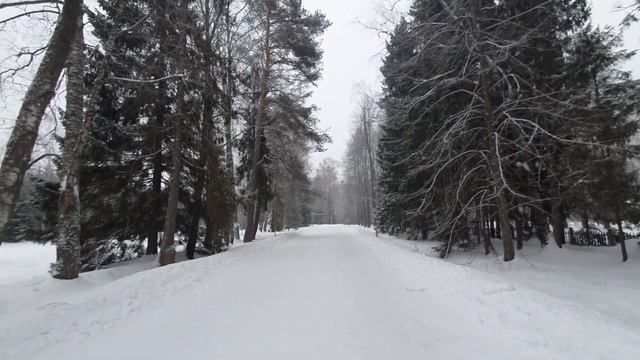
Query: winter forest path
[(325, 292)]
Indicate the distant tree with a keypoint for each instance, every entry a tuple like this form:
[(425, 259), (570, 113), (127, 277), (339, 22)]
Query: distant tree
[(360, 168), (325, 186)]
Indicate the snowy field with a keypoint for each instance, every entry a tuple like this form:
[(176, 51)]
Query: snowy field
[(327, 292)]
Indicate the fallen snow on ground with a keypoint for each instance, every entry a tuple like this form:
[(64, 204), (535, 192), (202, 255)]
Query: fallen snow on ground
[(329, 292), (23, 261), (593, 277)]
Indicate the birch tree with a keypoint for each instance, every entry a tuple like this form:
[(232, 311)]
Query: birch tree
[(67, 264), (41, 91)]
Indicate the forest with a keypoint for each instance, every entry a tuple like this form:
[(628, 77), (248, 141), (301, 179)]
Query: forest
[(509, 120), (319, 179), (183, 112), (189, 123)]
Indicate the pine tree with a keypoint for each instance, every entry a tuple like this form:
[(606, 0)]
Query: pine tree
[(287, 59), (484, 126)]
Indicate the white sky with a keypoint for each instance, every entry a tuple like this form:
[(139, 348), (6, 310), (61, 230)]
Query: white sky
[(351, 57)]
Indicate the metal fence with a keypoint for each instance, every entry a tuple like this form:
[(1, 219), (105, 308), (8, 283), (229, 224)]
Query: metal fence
[(595, 237)]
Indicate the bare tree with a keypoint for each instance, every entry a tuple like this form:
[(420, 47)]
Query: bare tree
[(42, 89)]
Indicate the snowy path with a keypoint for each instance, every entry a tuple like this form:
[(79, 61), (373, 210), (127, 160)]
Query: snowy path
[(330, 292)]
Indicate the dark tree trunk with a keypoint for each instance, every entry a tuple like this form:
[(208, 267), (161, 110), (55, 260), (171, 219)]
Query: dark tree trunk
[(194, 226), (218, 218), (253, 216), (42, 89), (167, 248), (228, 125), (520, 230), (488, 246), (557, 219), (156, 222), (505, 229), (539, 226), (622, 241)]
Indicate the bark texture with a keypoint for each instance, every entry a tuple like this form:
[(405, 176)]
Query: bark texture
[(67, 264), (42, 89), (253, 208), (167, 248)]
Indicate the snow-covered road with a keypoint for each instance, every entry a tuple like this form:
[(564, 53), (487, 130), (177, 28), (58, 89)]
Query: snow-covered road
[(329, 292)]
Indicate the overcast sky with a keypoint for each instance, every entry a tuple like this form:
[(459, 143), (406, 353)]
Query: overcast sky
[(351, 57)]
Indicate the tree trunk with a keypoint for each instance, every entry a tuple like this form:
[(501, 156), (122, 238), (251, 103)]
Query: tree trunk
[(488, 246), (496, 176), (539, 226), (217, 203), (372, 171), (228, 125), (42, 89), (622, 240), (505, 229), (253, 216), (194, 226), (204, 162), (67, 264), (520, 232), (167, 249), (153, 227), (557, 219)]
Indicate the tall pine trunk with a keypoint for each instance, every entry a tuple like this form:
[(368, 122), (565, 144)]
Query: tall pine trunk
[(42, 89), (194, 226), (496, 174), (253, 213), (67, 265), (167, 248), (155, 224), (228, 125)]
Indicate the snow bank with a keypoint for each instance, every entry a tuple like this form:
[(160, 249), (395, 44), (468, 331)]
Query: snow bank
[(592, 277), (23, 261), (552, 303), (330, 292)]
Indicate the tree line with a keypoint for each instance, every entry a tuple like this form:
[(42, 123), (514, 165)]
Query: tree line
[(184, 112), (346, 192), (506, 118)]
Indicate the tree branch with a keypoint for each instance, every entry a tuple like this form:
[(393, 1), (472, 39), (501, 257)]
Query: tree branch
[(30, 2)]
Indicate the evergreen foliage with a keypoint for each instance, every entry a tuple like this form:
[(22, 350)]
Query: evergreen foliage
[(500, 119)]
